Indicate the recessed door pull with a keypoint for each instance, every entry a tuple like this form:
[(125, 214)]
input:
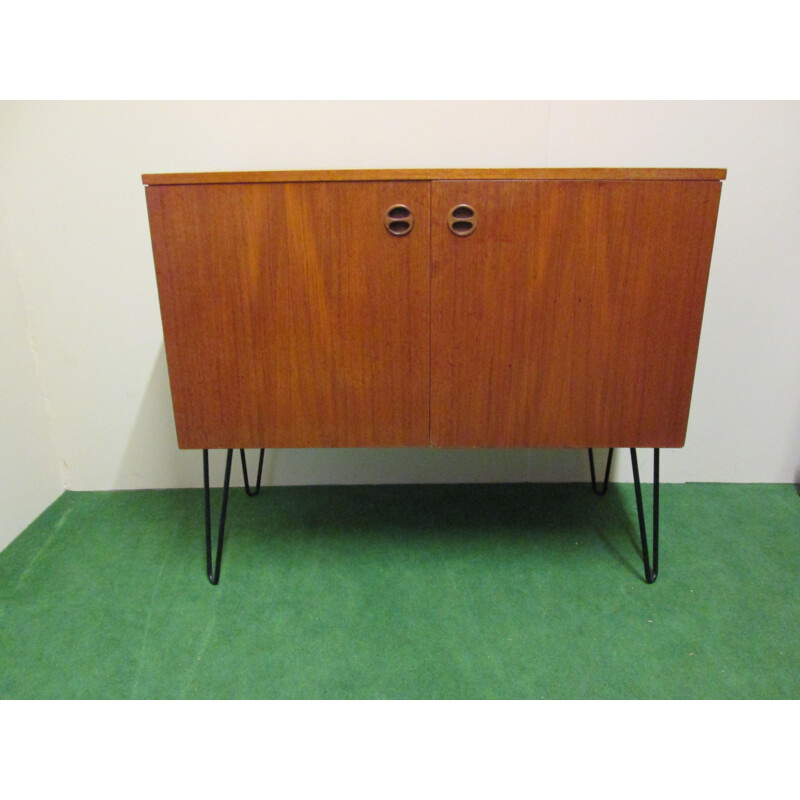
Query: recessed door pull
[(462, 220), (398, 220)]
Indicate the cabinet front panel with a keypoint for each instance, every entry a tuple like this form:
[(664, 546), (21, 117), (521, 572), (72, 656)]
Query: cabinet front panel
[(570, 315), (292, 316)]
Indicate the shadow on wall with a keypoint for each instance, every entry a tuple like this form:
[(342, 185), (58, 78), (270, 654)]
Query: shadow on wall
[(797, 464), (152, 459)]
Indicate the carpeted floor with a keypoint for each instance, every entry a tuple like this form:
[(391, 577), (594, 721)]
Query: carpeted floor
[(436, 591)]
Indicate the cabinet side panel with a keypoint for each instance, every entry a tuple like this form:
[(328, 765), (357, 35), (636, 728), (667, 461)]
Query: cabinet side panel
[(291, 317), (571, 316)]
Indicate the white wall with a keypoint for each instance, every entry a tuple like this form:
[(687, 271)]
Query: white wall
[(74, 203), (30, 478)]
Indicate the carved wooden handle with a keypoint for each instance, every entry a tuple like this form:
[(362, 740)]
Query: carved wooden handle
[(462, 220), (398, 220)]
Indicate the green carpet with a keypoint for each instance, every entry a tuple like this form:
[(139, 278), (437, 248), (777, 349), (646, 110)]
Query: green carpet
[(491, 591)]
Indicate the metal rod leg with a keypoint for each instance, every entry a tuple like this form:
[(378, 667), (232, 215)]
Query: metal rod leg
[(252, 493), (608, 470), (650, 572), (213, 574)]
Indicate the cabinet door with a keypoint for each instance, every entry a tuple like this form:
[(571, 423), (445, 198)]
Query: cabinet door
[(570, 316), (292, 317)]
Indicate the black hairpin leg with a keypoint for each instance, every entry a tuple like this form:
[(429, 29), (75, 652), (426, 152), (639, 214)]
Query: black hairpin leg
[(254, 492), (213, 573), (650, 572), (608, 470)]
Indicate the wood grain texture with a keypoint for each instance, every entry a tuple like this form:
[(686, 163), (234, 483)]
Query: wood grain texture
[(291, 317), (571, 316), (550, 173)]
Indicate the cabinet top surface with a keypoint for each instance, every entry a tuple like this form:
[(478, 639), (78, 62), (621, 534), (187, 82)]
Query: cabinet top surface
[(558, 173)]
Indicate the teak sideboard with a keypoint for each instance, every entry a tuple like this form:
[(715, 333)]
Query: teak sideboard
[(444, 308)]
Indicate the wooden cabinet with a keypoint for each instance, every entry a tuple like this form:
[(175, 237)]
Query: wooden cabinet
[(446, 308), (568, 316)]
